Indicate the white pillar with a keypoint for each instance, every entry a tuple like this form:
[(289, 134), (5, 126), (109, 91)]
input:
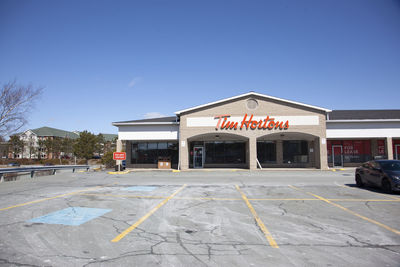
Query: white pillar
[(389, 145), (119, 149), (252, 153)]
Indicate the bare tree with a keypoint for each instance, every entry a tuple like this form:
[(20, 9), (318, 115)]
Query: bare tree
[(16, 102)]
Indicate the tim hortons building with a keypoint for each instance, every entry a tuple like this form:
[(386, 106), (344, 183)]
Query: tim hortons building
[(259, 131)]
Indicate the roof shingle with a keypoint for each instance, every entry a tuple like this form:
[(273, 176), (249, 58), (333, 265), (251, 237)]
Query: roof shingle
[(48, 131)]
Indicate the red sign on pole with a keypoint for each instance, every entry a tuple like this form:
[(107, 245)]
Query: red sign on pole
[(119, 156)]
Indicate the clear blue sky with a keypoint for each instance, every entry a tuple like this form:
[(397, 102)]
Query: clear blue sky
[(105, 61)]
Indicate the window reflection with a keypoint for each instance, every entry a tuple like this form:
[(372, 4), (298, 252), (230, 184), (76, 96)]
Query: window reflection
[(266, 151), (221, 152), (295, 151), (148, 152)]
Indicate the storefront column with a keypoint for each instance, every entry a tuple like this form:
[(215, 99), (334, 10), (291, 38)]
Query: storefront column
[(279, 152), (119, 149), (252, 153), (321, 154), (389, 146), (183, 154)]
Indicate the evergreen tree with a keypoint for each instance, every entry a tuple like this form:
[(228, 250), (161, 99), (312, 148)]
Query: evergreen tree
[(100, 144), (85, 145), (16, 144)]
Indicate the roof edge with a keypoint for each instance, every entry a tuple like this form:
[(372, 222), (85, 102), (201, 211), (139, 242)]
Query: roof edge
[(366, 120), (249, 94), (144, 123)]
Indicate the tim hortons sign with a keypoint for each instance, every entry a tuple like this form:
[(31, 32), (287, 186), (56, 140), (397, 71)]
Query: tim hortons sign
[(268, 123)]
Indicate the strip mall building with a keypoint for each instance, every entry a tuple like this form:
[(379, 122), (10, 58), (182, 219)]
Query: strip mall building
[(259, 131)]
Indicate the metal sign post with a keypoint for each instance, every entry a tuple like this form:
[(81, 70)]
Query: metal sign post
[(118, 156)]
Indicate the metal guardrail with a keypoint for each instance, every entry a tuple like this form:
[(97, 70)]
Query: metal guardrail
[(32, 170)]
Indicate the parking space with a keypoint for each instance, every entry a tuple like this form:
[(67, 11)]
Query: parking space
[(198, 218)]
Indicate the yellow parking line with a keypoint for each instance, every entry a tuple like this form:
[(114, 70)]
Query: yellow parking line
[(281, 199), (48, 198), (206, 198), (349, 211), (158, 197), (396, 198), (141, 220), (379, 194), (264, 229), (363, 200), (237, 199)]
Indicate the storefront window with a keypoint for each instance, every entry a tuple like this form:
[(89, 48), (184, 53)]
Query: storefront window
[(266, 151), (381, 148), (148, 152), (354, 151), (295, 151), (225, 152)]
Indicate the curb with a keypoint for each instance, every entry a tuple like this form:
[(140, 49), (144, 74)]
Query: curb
[(334, 170), (123, 172)]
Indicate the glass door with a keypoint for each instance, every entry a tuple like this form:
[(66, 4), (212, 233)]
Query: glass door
[(397, 152), (198, 157), (337, 155)]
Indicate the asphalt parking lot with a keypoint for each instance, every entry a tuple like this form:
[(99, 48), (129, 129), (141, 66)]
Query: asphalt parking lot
[(198, 218)]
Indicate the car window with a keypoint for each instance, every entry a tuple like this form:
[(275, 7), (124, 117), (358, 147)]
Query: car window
[(391, 166), (374, 165), (366, 165)]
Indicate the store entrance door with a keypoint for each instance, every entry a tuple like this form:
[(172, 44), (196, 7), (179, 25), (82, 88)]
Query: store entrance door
[(337, 155), (397, 152), (198, 157)]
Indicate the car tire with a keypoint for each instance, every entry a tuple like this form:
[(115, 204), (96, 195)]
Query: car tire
[(359, 181), (386, 186)]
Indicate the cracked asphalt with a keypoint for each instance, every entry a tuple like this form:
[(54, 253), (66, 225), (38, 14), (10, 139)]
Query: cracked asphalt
[(201, 218)]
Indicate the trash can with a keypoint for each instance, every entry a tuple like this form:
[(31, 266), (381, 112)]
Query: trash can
[(122, 167), (164, 163)]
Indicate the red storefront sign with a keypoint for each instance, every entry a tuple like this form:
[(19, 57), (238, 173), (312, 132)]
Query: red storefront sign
[(268, 123), (381, 147), (351, 147), (119, 156), (348, 148)]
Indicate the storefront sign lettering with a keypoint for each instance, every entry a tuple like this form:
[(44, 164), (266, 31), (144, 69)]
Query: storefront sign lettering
[(248, 123)]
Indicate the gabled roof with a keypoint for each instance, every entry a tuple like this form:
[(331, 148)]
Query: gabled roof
[(153, 121), (48, 131), (249, 95), (365, 115)]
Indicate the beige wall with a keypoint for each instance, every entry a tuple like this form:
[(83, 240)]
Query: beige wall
[(316, 134)]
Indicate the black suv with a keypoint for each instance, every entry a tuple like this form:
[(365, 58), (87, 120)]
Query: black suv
[(380, 173)]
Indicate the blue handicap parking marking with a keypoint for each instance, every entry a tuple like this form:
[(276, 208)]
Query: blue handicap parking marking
[(140, 188), (71, 216)]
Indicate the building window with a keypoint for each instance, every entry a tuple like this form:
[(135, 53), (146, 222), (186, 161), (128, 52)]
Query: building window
[(381, 148), (295, 151), (251, 103), (354, 151), (266, 151), (149, 152), (225, 152)]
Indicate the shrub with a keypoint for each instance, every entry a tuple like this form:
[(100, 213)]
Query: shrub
[(108, 160)]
